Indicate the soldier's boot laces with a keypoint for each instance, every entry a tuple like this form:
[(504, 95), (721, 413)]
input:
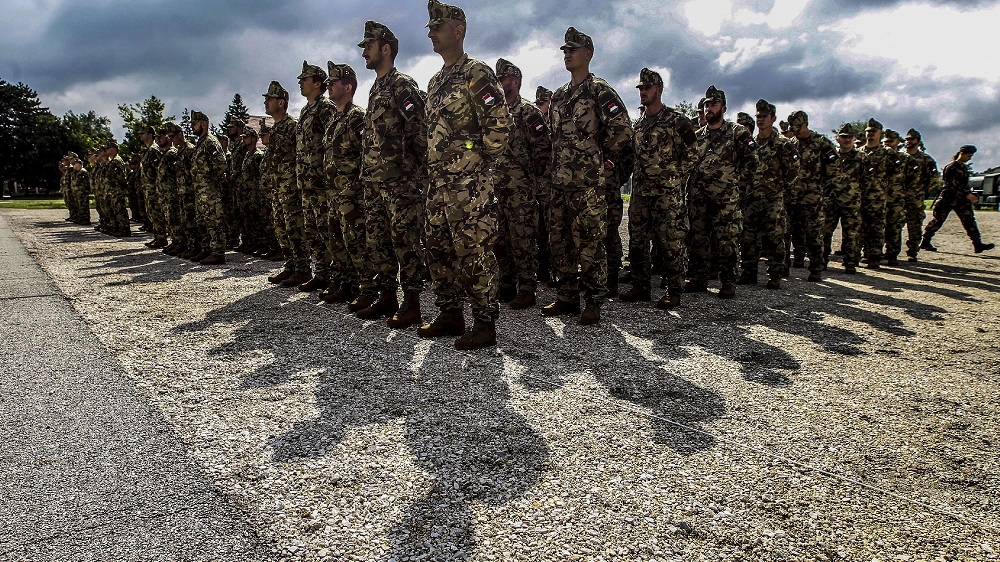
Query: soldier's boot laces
[(408, 313), (385, 306), (447, 323), (636, 294), (314, 284), (727, 291), (980, 247), (925, 244), (362, 302), (591, 314), (670, 300), (295, 279), (561, 307), (482, 334), (214, 259), (524, 299)]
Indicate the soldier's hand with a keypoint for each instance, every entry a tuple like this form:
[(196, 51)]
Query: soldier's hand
[(973, 197), (609, 165)]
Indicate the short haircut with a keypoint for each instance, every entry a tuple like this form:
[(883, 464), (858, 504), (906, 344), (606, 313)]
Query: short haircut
[(393, 47), (351, 81)]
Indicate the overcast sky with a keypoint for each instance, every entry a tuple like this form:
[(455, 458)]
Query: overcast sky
[(931, 66)]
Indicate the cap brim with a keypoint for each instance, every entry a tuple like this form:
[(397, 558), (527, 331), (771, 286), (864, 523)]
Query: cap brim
[(364, 42), (434, 22)]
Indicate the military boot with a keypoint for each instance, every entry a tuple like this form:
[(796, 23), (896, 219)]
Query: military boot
[(278, 278), (189, 253), (386, 305), (363, 301), (159, 243), (636, 294), (612, 288), (506, 293), (814, 277), (482, 334), (408, 313), (447, 323), (343, 293), (170, 250), (591, 314), (561, 307), (524, 299), (747, 278), (925, 244), (850, 269), (892, 261), (297, 278), (314, 284), (670, 300), (695, 286), (774, 283), (727, 291), (214, 259), (201, 255), (980, 247)]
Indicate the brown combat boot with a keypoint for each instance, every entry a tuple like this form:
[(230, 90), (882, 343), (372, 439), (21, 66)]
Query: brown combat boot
[(447, 323), (214, 259), (408, 313), (612, 289), (386, 305), (363, 301), (814, 277), (561, 307), (314, 284), (201, 255), (278, 278), (670, 300), (695, 286), (747, 278), (591, 314), (727, 291), (343, 293), (297, 278), (774, 283), (636, 294), (524, 299), (482, 334)]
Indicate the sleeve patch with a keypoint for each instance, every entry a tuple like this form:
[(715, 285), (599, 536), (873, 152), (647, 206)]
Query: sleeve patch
[(536, 124), (409, 103), (610, 105), (687, 132)]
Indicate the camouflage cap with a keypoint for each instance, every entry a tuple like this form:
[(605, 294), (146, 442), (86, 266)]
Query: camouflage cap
[(198, 116), (507, 68), (648, 77), (715, 94), (575, 40), (913, 134), (338, 71), (797, 119), (873, 125), (236, 122), (375, 31), (968, 149), (169, 128), (701, 104), (846, 130), (765, 107), (276, 90), (783, 125), (745, 120), (439, 12), (265, 129), (312, 71), (250, 132), (148, 129), (890, 135), (543, 94)]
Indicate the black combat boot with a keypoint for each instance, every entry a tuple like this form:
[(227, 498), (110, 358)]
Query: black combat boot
[(727, 291), (670, 300), (408, 313), (925, 244), (561, 307), (482, 334), (214, 259), (524, 299), (447, 323), (636, 294), (980, 247), (591, 314), (386, 305)]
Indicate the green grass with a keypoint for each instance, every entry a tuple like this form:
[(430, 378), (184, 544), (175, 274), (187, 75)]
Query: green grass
[(36, 203)]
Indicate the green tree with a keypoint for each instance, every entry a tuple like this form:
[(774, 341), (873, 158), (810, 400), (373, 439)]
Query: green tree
[(186, 125), (686, 109), (32, 140), (136, 117), (236, 110), (87, 131), (857, 126)]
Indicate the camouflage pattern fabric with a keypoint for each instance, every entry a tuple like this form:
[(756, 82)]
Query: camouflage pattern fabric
[(81, 193), (842, 203), (148, 174), (97, 188), (468, 130), (233, 195), (895, 202), (954, 197), (313, 120), (665, 154), (116, 185), (589, 124), (873, 199), (614, 179), (924, 172), (727, 164), (282, 161), (342, 144), (166, 190), (524, 161), (817, 153), (764, 209), (208, 165), (254, 206), (188, 233)]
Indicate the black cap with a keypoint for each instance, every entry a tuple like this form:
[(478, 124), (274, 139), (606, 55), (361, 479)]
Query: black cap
[(968, 149)]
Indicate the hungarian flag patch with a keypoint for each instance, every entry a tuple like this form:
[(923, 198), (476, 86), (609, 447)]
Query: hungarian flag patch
[(488, 98)]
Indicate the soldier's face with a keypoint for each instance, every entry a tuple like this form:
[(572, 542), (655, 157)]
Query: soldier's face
[(912, 143), (266, 139), (803, 130), (846, 142), (891, 144), (309, 86), (250, 141), (873, 136), (649, 94), (576, 58), (163, 141), (272, 105), (764, 121), (444, 36), (372, 54), (511, 86), (197, 127), (543, 107), (714, 110)]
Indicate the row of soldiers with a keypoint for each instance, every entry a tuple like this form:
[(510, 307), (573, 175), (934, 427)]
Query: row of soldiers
[(470, 186)]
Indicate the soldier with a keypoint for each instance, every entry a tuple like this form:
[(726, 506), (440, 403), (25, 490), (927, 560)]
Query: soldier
[(253, 209), (764, 201), (728, 163), (546, 264), (395, 152), (665, 154), (842, 201), (234, 199), (589, 124), (701, 113), (148, 166), (116, 185), (65, 184), (166, 186), (188, 235), (517, 187), (277, 240), (924, 173), (468, 129), (817, 154), (543, 99), (281, 161), (956, 195), (95, 162), (342, 143), (785, 132), (80, 189), (744, 119), (874, 194), (895, 217), (208, 167)]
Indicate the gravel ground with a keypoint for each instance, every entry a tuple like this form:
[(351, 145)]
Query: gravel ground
[(853, 419)]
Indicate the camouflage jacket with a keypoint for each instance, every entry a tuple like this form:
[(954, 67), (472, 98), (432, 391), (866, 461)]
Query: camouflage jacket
[(468, 123), (847, 177), (878, 171), (234, 160), (956, 180), (395, 141), (267, 185), (342, 143), (182, 168), (923, 172), (66, 181), (116, 177), (530, 146), (817, 153), (589, 124), (208, 164), (281, 153), (899, 170), (166, 172), (148, 168), (666, 151), (313, 120), (778, 167), (250, 171), (81, 181), (728, 161)]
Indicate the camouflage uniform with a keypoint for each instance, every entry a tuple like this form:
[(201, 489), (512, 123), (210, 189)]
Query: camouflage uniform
[(873, 199), (589, 124), (187, 234), (518, 170), (281, 154), (895, 210), (253, 205), (116, 186), (546, 264), (728, 163), (81, 194), (842, 203), (924, 172), (148, 172), (614, 180), (66, 186), (394, 151), (166, 191), (817, 154), (342, 143), (316, 193), (208, 164), (468, 128), (954, 197)]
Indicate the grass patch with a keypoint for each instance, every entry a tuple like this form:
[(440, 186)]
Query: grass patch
[(36, 203)]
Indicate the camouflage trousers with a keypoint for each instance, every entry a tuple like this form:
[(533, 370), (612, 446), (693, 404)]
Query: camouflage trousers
[(211, 219), (578, 231), (290, 199), (347, 215), (136, 203), (517, 244), (230, 211), (846, 211), (83, 203), (100, 202), (793, 247), (543, 204), (553, 238), (256, 216), (191, 234), (460, 230), (962, 207), (155, 211), (914, 212), (613, 236), (715, 217), (763, 233), (394, 221), (280, 233), (116, 206), (873, 223), (318, 229), (895, 218), (807, 213), (663, 221)]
